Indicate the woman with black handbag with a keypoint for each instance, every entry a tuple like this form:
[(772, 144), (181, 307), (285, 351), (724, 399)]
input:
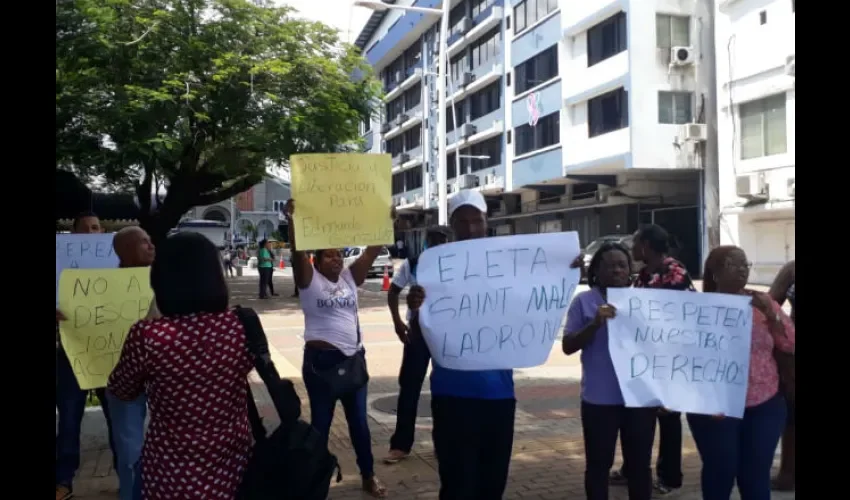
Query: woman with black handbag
[(334, 366)]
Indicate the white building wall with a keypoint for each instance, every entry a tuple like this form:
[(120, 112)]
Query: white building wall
[(754, 39)]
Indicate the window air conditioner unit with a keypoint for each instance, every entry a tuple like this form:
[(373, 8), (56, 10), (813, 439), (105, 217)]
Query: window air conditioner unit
[(693, 132), (403, 158), (435, 188), (467, 181), (602, 196), (401, 118), (402, 201), (466, 79), (385, 127), (682, 56), (790, 64), (751, 187), (453, 187), (467, 129), (791, 188), (465, 25)]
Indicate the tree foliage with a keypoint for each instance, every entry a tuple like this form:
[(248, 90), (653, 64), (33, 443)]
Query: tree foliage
[(199, 96)]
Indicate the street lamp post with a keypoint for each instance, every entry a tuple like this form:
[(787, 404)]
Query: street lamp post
[(442, 171)]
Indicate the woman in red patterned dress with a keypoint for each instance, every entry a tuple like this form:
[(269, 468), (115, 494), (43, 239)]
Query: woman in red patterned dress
[(193, 364)]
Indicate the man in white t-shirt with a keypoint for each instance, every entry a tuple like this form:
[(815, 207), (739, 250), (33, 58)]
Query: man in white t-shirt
[(414, 363)]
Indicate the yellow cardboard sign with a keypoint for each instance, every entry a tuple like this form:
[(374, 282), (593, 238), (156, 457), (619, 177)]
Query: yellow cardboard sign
[(342, 200), (101, 305)]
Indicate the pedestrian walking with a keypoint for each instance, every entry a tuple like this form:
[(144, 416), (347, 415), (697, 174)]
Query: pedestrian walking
[(416, 357), (228, 256), (70, 399), (265, 266), (652, 247), (193, 362), (741, 450), (334, 366), (783, 289), (603, 411)]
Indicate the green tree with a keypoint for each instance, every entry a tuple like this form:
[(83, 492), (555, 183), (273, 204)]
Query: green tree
[(199, 96)]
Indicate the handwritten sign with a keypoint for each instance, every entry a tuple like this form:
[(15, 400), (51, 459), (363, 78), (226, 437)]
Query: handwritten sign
[(101, 305), (83, 251), (496, 303), (342, 200), (684, 351)]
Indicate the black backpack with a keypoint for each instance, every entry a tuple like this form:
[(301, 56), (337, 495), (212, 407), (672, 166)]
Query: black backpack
[(293, 463)]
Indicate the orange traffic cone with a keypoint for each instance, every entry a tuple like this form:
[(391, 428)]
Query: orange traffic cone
[(282, 265), (385, 286)]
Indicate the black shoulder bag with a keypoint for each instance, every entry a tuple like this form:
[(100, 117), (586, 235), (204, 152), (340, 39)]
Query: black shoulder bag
[(293, 463)]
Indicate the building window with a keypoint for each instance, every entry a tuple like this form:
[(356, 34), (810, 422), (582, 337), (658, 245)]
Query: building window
[(367, 124), (451, 165), (546, 133), (455, 113), (413, 178), (606, 39), (675, 108), (413, 138), (413, 96), (458, 66), (539, 69), (672, 31), (398, 183), (456, 15), (394, 73), (763, 17), (487, 48), (491, 149), (608, 112), (278, 205), (530, 11), (479, 6), (485, 101), (763, 128), (395, 146), (394, 108), (412, 55)]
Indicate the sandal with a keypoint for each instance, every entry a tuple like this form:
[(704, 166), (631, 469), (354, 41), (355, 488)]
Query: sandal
[(617, 478), (374, 487)]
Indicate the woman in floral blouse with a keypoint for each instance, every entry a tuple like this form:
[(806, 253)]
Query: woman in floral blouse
[(652, 247), (741, 450)]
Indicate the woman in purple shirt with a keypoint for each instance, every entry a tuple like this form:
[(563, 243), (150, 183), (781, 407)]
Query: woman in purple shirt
[(603, 411)]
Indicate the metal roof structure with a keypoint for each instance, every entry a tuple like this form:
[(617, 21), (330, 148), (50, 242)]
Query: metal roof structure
[(371, 26)]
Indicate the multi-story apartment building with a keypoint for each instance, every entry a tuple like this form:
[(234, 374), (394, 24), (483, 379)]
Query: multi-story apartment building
[(755, 46), (567, 115)]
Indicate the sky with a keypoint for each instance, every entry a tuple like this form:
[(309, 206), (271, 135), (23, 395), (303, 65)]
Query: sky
[(341, 14)]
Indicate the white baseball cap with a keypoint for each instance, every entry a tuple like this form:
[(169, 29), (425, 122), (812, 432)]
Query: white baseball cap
[(468, 197)]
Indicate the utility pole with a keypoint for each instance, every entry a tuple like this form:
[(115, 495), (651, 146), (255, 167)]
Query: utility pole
[(711, 167)]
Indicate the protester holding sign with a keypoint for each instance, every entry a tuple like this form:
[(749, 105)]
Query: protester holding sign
[(651, 246), (473, 408), (742, 450), (70, 399), (416, 357), (603, 410), (334, 367)]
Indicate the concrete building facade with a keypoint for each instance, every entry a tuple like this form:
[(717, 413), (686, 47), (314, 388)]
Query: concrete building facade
[(582, 116), (755, 46)]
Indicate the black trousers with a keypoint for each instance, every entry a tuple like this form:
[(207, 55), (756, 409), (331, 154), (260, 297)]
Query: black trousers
[(266, 274), (668, 467), (414, 366), (600, 426), (473, 441)]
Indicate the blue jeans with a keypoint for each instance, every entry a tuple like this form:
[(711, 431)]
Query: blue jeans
[(323, 404), (71, 405), (128, 425), (739, 450)]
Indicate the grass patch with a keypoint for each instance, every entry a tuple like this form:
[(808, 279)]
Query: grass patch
[(92, 400)]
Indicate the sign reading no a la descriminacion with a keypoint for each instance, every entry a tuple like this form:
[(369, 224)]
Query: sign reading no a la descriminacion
[(496, 303), (101, 305), (342, 200), (685, 351)]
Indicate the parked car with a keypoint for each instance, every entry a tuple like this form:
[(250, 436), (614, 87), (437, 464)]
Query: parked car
[(384, 261), (626, 240)]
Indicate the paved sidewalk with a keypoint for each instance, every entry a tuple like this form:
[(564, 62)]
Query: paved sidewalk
[(548, 458)]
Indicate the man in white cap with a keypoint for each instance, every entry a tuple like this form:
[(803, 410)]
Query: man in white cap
[(473, 411)]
